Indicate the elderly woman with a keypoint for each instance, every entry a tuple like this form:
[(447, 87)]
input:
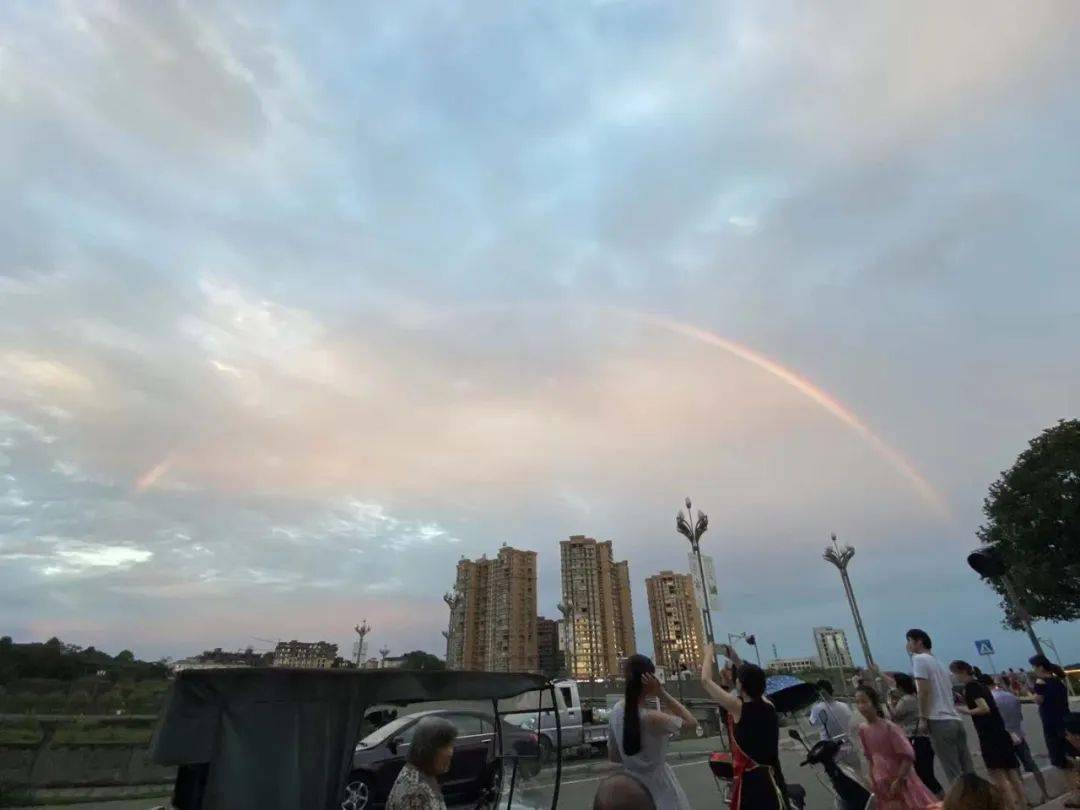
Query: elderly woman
[(430, 752)]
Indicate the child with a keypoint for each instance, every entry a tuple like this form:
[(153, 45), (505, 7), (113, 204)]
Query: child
[(891, 758)]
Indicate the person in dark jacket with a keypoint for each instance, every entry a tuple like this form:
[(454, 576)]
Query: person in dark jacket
[(1053, 698)]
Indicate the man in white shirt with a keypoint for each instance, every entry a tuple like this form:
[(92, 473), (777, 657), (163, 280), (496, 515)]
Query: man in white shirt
[(832, 716), (937, 707), (834, 720)]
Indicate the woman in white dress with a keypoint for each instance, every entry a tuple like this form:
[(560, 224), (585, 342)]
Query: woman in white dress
[(638, 735)]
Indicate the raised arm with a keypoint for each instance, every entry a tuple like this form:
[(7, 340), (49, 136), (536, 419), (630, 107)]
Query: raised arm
[(668, 704), (727, 700)]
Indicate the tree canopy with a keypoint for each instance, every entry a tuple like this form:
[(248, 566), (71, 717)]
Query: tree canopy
[(418, 659), (1033, 522), (56, 660)]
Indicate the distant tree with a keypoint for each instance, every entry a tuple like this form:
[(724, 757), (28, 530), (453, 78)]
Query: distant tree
[(125, 657), (418, 659), (1033, 521)]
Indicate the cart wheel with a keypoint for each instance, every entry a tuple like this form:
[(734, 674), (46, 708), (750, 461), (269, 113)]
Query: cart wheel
[(489, 796), (547, 750), (357, 793)]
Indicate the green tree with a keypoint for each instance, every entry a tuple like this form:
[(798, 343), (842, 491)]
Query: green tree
[(418, 659), (125, 657), (1033, 521)]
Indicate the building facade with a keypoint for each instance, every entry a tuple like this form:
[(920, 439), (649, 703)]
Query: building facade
[(792, 665), (832, 647), (305, 654), (493, 614), (548, 648), (597, 608), (677, 628)]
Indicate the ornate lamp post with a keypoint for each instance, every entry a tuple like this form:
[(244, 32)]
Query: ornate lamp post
[(362, 631), (841, 557), (682, 524)]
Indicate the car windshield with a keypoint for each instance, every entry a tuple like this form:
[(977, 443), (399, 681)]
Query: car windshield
[(379, 735)]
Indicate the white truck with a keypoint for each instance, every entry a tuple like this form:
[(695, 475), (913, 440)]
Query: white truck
[(583, 731)]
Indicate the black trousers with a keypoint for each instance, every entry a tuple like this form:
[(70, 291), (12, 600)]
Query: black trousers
[(924, 763)]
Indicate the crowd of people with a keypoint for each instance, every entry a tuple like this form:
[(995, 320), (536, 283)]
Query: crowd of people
[(903, 724)]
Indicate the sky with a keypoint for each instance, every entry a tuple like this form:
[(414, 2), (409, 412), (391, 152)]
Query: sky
[(298, 307)]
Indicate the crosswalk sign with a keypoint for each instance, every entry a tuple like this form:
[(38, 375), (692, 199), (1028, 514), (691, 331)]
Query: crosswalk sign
[(984, 647)]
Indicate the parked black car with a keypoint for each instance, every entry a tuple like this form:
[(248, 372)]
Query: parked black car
[(380, 756)]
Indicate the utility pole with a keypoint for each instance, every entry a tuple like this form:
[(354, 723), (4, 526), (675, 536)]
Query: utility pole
[(841, 557), (987, 563)]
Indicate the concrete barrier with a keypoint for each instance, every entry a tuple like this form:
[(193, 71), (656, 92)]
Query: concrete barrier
[(70, 765)]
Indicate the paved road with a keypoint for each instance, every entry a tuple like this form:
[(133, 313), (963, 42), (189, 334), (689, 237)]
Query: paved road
[(580, 778)]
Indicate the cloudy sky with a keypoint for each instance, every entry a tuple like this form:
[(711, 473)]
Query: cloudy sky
[(298, 309)]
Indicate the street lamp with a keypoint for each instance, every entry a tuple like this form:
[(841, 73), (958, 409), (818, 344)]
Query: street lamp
[(987, 563), (841, 557), (682, 524), (750, 639)]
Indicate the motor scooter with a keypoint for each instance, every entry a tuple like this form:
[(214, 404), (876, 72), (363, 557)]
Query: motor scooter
[(849, 790)]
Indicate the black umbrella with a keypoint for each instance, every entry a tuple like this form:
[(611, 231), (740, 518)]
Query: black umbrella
[(789, 694)]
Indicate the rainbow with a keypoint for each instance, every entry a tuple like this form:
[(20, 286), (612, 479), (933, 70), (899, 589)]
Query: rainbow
[(151, 476), (821, 398), (812, 392)]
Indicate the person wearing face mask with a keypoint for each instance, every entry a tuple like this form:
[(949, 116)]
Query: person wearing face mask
[(758, 783)]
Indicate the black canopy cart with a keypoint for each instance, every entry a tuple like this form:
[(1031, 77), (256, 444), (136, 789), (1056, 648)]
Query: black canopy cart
[(294, 739)]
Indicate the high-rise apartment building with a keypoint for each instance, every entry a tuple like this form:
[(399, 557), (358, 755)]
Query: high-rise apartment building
[(548, 650), (832, 647), (598, 608), (677, 629), (493, 614)]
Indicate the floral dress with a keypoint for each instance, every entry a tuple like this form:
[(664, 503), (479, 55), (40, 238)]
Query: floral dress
[(886, 749), (414, 790)]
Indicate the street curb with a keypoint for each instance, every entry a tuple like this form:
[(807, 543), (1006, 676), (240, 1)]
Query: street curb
[(82, 795)]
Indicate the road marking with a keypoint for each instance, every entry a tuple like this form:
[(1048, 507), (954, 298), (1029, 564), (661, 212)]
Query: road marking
[(601, 776)]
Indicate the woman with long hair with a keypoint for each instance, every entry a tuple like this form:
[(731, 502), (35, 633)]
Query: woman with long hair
[(638, 735), (972, 792), (995, 742), (890, 757), (754, 727)]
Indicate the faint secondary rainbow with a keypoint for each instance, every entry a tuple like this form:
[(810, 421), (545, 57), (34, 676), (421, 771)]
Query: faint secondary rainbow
[(154, 474), (893, 456)]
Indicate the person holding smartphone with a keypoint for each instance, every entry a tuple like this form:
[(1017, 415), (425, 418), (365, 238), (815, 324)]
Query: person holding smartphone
[(758, 783)]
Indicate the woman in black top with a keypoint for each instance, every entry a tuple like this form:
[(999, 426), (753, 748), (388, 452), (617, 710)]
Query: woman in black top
[(998, 751), (755, 730), (1053, 698)]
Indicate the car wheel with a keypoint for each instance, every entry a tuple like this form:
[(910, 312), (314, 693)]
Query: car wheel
[(357, 793), (489, 797), (547, 750)]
